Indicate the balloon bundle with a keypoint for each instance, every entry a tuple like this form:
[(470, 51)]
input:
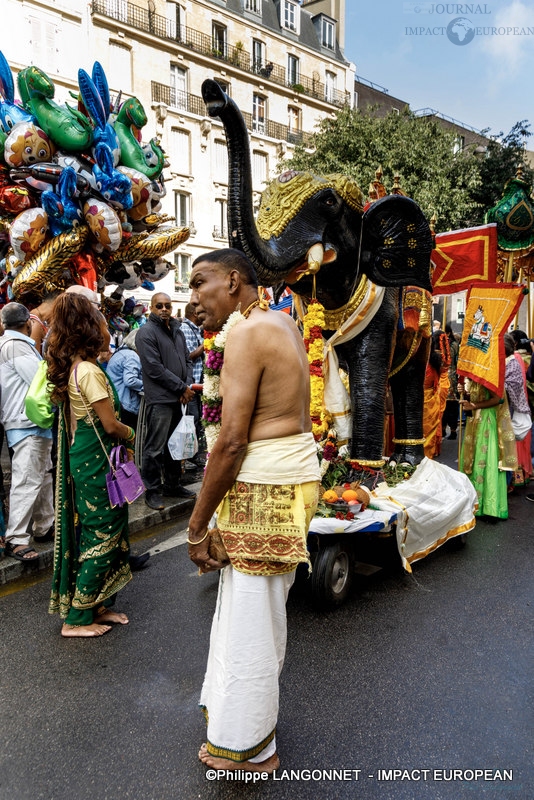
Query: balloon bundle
[(80, 194)]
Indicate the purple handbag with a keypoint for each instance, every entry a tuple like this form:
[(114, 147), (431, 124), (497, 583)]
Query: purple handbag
[(123, 482)]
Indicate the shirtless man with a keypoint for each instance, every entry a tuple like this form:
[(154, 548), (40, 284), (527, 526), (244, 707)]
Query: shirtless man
[(263, 477)]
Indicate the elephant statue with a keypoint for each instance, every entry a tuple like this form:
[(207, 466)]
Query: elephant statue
[(369, 268)]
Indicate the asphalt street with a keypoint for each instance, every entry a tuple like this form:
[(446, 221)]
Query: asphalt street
[(382, 699)]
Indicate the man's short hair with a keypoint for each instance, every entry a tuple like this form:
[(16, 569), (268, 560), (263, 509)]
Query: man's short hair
[(230, 258), (14, 316)]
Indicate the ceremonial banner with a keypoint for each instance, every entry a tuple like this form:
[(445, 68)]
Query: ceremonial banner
[(285, 302), (461, 257), (490, 310)]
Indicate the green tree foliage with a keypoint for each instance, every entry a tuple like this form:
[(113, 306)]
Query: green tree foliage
[(455, 186), (504, 154)]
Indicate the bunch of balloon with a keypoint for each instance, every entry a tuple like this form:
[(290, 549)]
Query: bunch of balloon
[(80, 195)]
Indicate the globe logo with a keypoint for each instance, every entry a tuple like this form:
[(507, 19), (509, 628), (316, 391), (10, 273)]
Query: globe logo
[(460, 31)]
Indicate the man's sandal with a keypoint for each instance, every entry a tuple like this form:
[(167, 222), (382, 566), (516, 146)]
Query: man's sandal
[(19, 555)]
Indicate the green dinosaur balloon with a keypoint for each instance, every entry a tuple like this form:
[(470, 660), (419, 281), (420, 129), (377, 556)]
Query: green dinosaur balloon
[(132, 114), (66, 126)]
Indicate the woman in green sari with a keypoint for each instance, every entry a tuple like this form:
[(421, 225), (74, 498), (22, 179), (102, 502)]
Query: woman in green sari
[(87, 573), (488, 450)]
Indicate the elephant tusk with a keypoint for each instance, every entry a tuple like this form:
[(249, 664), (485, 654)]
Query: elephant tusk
[(314, 259)]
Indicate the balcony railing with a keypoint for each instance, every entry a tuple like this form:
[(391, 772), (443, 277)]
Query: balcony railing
[(161, 93), (148, 21), (176, 98)]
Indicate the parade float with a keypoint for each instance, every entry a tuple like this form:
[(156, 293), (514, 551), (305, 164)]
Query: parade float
[(359, 271), (80, 193)]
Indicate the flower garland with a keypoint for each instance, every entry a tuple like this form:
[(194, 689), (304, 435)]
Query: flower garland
[(214, 344), (313, 323)]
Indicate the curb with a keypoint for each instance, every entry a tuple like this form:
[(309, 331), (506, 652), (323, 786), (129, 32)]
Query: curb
[(141, 518)]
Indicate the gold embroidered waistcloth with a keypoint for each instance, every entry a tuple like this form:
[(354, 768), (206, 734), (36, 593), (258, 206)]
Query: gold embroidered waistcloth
[(265, 526)]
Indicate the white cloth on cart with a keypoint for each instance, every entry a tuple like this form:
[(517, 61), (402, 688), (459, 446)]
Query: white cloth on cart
[(434, 505), (367, 520)]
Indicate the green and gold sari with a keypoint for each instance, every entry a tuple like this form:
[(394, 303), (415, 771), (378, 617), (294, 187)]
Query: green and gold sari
[(488, 452), (89, 571)]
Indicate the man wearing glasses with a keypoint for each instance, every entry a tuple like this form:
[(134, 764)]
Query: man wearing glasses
[(167, 376)]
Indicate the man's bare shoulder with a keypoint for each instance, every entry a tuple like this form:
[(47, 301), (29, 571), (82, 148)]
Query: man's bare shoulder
[(264, 324)]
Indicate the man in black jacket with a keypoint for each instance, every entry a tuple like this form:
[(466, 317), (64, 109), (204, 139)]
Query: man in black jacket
[(167, 376)]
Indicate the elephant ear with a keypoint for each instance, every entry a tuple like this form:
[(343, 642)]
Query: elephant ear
[(396, 243)]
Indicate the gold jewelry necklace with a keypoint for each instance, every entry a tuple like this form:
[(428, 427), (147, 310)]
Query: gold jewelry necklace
[(262, 302), (248, 309)]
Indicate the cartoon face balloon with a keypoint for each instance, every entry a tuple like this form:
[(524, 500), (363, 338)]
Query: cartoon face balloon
[(27, 144), (104, 224), (28, 232), (144, 198)]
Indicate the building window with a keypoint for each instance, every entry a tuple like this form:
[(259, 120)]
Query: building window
[(224, 86), (120, 68), (293, 70), (395, 110), (182, 271), (258, 113), (178, 93), (253, 5), (220, 229), (330, 87), (44, 37), (180, 152), (259, 170), (356, 99), (220, 170), (182, 208), (173, 20), (294, 117), (218, 40), (327, 34), (459, 144), (258, 55), (290, 15)]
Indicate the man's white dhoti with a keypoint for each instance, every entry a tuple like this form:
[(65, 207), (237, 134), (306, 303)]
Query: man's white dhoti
[(248, 635), (247, 649)]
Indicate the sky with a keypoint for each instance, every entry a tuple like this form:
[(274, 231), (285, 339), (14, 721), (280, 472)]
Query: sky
[(481, 74)]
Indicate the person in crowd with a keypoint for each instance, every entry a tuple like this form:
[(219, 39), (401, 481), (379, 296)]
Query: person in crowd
[(488, 450), (87, 573), (432, 401), (450, 417), (263, 477), (530, 389), (124, 370), (194, 340), (31, 495), (515, 385), (41, 317), (167, 376)]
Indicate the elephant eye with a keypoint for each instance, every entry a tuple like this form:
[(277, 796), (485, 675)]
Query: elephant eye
[(329, 199)]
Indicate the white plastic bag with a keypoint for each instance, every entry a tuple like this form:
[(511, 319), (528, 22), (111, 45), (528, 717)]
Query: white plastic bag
[(183, 440)]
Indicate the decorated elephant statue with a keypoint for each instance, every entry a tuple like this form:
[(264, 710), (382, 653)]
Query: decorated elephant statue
[(369, 268)]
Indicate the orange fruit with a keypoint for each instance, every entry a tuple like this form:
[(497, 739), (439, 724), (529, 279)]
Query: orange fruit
[(349, 494), (330, 496)]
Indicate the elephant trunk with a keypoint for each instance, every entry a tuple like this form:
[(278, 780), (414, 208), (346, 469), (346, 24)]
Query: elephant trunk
[(242, 231)]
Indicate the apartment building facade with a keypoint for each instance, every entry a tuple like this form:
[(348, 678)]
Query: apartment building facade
[(280, 60)]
